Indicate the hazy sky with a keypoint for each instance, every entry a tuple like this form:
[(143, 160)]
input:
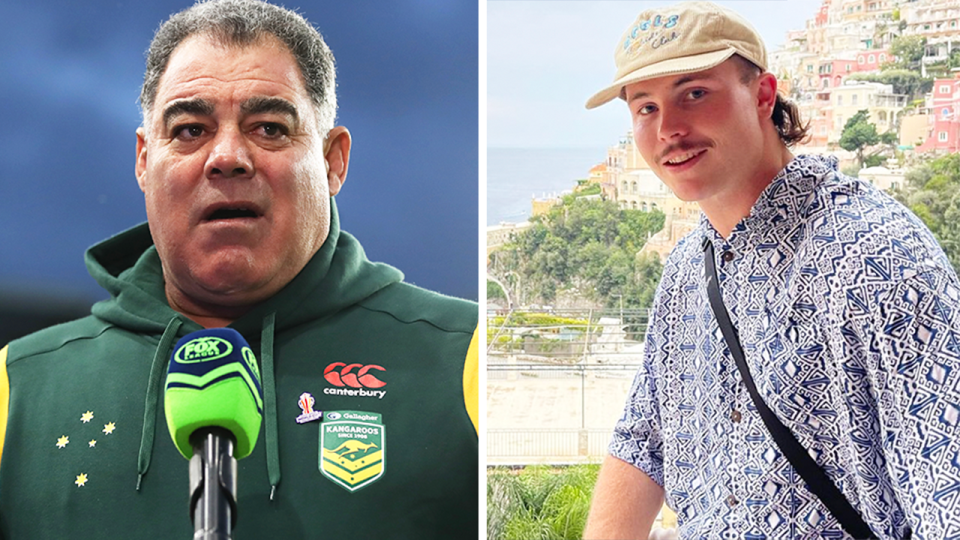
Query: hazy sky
[(545, 58)]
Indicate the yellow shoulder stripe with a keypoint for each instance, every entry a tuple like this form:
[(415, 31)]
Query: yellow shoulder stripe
[(471, 380), (4, 397)]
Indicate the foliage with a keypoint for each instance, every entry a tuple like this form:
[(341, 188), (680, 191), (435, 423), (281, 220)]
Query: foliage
[(526, 318), (872, 161), (852, 170), (858, 133), (932, 192), (586, 247), (591, 189), (907, 52), (494, 291), (539, 502), (903, 81)]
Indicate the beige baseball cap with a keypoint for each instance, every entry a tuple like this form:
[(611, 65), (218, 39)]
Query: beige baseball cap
[(683, 38)]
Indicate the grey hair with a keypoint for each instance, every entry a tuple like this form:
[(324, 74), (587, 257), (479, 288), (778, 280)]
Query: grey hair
[(241, 23)]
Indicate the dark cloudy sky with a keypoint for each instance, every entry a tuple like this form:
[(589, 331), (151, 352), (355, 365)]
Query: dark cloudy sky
[(70, 74)]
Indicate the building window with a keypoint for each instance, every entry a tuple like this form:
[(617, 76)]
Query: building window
[(871, 59), (840, 100), (942, 136), (853, 99), (883, 58), (895, 185), (860, 59), (944, 88)]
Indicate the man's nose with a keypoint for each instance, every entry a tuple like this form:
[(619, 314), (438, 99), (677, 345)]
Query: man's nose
[(230, 156), (673, 123)]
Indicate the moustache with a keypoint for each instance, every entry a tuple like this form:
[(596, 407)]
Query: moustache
[(682, 146)]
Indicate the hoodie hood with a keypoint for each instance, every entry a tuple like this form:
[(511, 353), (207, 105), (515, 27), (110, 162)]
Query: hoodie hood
[(127, 265)]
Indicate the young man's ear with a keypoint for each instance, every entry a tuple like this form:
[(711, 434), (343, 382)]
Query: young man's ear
[(336, 153), (766, 94)]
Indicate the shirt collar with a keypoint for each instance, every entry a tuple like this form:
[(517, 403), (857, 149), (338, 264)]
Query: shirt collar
[(789, 196)]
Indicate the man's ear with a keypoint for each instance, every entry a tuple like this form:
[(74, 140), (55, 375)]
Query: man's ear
[(141, 166), (766, 94), (336, 152)]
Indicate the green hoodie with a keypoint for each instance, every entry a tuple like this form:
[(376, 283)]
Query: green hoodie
[(87, 454)]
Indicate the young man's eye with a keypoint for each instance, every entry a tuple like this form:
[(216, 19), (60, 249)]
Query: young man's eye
[(697, 93), (646, 109)]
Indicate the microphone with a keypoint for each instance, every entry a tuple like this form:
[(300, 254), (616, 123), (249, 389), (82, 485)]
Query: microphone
[(213, 402)]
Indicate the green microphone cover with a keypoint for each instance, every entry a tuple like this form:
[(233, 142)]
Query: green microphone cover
[(213, 381)]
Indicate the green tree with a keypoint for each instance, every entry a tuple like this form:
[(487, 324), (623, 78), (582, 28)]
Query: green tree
[(932, 192), (539, 502), (903, 81), (494, 291), (907, 52), (584, 246), (858, 133)]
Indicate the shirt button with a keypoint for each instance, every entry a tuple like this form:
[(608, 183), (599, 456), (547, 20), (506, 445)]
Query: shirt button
[(735, 416), (727, 256), (732, 501)]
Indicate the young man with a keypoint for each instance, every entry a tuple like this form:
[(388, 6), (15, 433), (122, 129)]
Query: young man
[(239, 161), (845, 306)]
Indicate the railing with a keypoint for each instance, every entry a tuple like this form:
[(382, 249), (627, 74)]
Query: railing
[(557, 414), (585, 333), (555, 446)]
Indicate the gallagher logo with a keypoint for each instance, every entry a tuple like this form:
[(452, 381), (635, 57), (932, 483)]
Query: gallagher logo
[(353, 380)]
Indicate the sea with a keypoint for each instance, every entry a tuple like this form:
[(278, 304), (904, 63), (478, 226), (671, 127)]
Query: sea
[(516, 175)]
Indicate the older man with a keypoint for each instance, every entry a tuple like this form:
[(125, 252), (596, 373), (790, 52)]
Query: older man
[(238, 159), (806, 304)]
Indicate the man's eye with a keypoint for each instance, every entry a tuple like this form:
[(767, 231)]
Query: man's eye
[(696, 94), (646, 109), (188, 132), (273, 131)]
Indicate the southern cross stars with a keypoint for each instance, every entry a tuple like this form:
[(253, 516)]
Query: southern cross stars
[(86, 417), (81, 480), (63, 441), (92, 443), (108, 428)]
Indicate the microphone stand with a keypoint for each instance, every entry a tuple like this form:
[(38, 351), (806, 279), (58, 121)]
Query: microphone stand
[(213, 484)]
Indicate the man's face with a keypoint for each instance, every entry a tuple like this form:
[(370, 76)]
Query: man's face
[(232, 168), (701, 132)]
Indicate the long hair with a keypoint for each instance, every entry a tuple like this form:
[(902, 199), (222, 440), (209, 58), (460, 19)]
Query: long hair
[(786, 114)]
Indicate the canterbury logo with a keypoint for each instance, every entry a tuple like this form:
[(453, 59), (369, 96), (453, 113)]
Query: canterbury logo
[(340, 374)]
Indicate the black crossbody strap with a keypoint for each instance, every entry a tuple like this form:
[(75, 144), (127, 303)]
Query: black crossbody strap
[(818, 481)]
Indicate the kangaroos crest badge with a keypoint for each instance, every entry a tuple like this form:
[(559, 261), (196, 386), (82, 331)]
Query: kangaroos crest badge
[(352, 448)]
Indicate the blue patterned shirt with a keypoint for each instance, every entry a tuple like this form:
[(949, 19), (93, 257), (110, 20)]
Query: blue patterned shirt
[(849, 316)]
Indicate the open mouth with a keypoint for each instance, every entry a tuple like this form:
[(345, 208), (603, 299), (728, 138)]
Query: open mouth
[(681, 159), (231, 213)]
